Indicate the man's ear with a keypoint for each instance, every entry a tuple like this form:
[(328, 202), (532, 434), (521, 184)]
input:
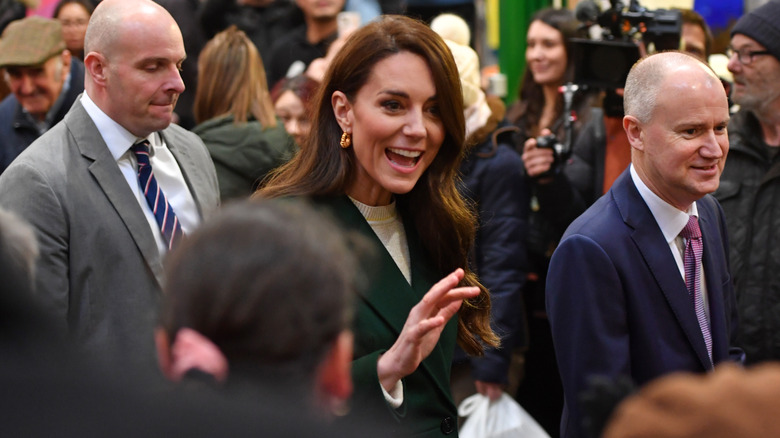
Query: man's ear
[(633, 129), (96, 68), (334, 378), (342, 109)]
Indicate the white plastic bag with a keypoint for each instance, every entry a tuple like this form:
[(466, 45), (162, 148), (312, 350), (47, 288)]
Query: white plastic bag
[(504, 418)]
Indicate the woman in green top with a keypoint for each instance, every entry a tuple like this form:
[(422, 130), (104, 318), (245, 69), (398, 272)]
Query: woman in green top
[(382, 157)]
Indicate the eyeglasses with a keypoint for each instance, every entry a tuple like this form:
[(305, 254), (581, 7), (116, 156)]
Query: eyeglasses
[(745, 57)]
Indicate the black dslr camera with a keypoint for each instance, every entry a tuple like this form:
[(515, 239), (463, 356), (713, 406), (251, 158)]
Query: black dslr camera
[(561, 150)]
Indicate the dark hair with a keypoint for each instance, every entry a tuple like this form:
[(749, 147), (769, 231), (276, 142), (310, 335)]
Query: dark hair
[(86, 4), (270, 283), (301, 85), (434, 205), (689, 16), (528, 108)]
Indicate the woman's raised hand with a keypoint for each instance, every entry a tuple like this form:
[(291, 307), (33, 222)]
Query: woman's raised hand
[(422, 329)]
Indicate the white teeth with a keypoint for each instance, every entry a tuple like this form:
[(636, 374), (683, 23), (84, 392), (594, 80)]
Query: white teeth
[(406, 153)]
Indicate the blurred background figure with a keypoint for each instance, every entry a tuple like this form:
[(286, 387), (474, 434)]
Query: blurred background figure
[(44, 80), (539, 110), (74, 17), (750, 185), (292, 99), (493, 181), (695, 36), (235, 115), (242, 308), (11, 10), (426, 10), (185, 12), (383, 156), (264, 21), (292, 53)]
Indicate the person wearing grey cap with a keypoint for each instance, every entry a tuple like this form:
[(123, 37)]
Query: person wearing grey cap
[(750, 184), (44, 80)]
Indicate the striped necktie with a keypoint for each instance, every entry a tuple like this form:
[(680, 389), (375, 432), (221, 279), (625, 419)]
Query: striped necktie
[(162, 210), (692, 261)]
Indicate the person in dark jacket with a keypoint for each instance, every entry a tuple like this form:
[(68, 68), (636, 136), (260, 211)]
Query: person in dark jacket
[(263, 21), (750, 185), (293, 53), (44, 80), (235, 115), (493, 181)]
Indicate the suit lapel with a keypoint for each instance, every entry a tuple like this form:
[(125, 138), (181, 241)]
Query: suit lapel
[(390, 295), (713, 274), (190, 170), (652, 245), (111, 181)]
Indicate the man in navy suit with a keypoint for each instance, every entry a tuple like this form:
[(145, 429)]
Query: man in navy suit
[(617, 294)]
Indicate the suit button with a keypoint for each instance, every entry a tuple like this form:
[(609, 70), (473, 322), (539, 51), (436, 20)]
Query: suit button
[(447, 425)]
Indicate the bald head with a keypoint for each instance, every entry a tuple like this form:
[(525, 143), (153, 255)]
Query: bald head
[(676, 119), (648, 76), (112, 17), (134, 55)]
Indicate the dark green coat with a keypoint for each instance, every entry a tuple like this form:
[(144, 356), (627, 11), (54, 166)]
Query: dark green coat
[(243, 154), (381, 311)]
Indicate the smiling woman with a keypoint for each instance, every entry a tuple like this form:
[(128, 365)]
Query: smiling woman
[(385, 147)]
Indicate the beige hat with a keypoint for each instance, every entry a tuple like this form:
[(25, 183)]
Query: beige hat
[(30, 41), (468, 68), (452, 27), (455, 33)]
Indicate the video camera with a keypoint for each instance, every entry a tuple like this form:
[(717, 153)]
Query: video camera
[(605, 63)]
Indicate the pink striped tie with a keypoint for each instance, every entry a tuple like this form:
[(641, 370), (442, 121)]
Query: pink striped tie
[(692, 260), (162, 210)]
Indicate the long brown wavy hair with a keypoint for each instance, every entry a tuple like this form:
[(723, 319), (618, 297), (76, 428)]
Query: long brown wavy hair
[(232, 81), (438, 212)]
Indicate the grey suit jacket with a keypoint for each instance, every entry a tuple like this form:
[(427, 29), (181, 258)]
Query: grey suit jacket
[(99, 267)]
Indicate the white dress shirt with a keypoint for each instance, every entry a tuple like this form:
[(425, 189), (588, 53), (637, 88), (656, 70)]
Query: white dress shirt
[(672, 221), (166, 171)]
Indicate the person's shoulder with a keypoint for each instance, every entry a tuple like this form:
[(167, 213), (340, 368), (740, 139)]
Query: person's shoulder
[(496, 162), (179, 136), (48, 151), (8, 108), (601, 221)]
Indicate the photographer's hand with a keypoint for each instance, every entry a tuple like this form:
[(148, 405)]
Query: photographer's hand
[(536, 160)]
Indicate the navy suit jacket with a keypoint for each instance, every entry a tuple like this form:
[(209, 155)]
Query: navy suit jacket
[(618, 304)]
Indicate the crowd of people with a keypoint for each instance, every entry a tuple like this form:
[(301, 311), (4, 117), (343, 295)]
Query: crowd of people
[(317, 226)]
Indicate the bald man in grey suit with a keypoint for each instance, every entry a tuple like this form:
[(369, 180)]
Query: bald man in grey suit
[(100, 267)]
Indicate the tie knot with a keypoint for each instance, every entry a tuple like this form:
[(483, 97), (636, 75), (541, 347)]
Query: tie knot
[(691, 230), (141, 151)]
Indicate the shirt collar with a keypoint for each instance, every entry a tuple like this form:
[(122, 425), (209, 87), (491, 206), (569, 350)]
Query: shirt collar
[(117, 138), (669, 219)]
